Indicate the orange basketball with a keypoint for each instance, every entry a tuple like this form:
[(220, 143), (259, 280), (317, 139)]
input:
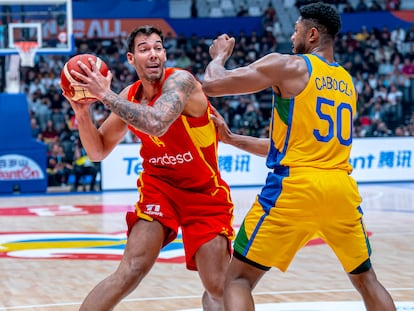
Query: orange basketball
[(79, 94)]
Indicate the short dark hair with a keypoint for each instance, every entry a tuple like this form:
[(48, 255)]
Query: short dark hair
[(322, 14), (145, 30)]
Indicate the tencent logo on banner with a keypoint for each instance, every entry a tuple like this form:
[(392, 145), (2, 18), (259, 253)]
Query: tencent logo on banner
[(19, 167)]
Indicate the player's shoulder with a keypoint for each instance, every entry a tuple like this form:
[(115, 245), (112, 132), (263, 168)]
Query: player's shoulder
[(124, 93), (179, 75), (178, 72), (283, 59)]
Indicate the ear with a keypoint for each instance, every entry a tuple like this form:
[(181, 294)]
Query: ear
[(130, 58), (313, 35)]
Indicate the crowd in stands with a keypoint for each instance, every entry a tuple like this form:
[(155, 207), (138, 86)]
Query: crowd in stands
[(381, 62)]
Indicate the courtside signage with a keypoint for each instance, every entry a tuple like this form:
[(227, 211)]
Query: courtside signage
[(19, 167), (374, 160)]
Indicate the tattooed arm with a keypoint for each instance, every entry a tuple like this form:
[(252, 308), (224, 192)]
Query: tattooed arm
[(181, 93), (155, 120)]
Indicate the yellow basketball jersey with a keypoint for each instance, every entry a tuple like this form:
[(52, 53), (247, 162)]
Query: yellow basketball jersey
[(314, 128)]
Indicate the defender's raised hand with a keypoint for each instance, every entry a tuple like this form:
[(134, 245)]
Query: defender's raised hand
[(222, 47)]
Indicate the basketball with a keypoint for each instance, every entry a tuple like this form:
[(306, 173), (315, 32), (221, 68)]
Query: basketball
[(79, 94)]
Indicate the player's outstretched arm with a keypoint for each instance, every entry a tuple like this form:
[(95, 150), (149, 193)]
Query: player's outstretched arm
[(254, 145), (261, 74)]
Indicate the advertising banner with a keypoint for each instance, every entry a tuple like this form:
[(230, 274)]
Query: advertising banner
[(374, 160)]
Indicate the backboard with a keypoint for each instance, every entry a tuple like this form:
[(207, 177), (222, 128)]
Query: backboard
[(47, 22)]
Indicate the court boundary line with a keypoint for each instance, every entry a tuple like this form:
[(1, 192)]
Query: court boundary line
[(128, 300)]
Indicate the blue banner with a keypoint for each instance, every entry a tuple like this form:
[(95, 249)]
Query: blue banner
[(121, 9)]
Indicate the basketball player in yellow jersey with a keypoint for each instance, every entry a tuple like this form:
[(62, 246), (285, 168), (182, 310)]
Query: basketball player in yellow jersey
[(309, 193)]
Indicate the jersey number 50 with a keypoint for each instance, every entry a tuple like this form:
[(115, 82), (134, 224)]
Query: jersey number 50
[(341, 117)]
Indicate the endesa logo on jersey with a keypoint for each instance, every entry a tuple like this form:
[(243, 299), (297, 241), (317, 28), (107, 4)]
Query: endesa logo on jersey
[(167, 159)]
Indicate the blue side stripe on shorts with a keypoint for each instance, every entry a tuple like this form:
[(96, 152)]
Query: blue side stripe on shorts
[(267, 199)]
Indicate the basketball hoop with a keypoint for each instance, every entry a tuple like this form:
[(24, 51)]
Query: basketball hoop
[(27, 51)]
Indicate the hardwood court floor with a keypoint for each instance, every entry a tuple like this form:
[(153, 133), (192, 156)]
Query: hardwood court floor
[(34, 280)]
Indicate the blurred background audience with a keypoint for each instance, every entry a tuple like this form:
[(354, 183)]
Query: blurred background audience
[(381, 61)]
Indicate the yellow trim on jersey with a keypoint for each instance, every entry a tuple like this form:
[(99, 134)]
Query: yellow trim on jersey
[(200, 140)]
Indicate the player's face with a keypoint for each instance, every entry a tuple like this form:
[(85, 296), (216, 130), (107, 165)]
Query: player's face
[(149, 57), (298, 38)]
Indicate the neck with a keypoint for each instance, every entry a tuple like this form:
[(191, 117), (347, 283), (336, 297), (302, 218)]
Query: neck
[(324, 51), (150, 88)]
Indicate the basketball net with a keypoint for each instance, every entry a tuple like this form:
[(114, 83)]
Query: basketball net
[(27, 51)]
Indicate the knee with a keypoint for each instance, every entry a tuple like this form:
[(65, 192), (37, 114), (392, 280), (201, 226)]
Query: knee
[(136, 266), (215, 287), (132, 271)]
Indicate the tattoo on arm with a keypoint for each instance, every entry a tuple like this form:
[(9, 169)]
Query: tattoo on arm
[(155, 120)]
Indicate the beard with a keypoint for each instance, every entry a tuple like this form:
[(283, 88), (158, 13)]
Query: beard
[(299, 48), (154, 76)]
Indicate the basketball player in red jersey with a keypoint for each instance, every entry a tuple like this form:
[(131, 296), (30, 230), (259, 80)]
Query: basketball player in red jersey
[(180, 185)]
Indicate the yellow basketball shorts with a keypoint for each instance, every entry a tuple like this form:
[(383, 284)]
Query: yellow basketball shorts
[(306, 204)]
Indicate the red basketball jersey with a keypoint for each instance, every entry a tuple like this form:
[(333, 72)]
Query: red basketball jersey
[(186, 155)]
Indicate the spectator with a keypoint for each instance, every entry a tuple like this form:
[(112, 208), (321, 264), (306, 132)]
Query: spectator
[(83, 166), (50, 133), (377, 111), (171, 61), (242, 11), (409, 35), (270, 12), (363, 35), (385, 36), (372, 42), (398, 37), (170, 43), (392, 5), (375, 6), (361, 6), (99, 113), (40, 108), (408, 67), (400, 131), (183, 61), (408, 71), (36, 130), (58, 166), (383, 54), (348, 8), (382, 130), (394, 96), (199, 74), (194, 10)]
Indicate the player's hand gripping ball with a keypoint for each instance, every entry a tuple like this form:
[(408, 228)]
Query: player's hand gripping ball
[(79, 94)]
